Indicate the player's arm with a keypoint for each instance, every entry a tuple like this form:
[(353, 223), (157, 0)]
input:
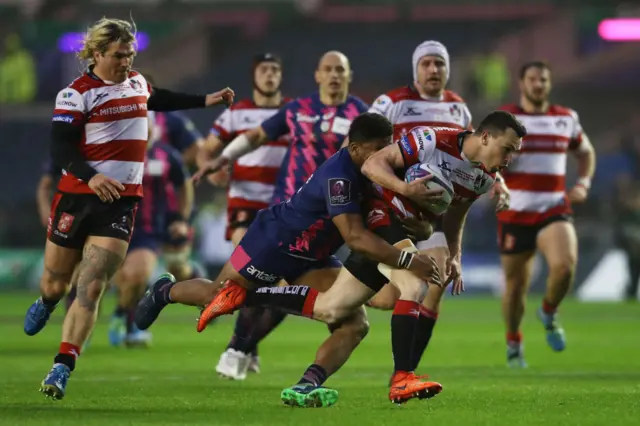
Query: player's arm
[(453, 224), (380, 166), (221, 133), (270, 129), (361, 240), (181, 180), (586, 156), (43, 197), (166, 100)]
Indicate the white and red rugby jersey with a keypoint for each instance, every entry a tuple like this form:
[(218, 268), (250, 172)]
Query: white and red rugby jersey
[(536, 175), (114, 117), (254, 174), (406, 109), (440, 147)]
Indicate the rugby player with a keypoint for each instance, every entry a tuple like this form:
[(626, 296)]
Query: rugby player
[(176, 129), (295, 241), (426, 102), (253, 177), (474, 158), (316, 126), (99, 133), (164, 174), (540, 214)]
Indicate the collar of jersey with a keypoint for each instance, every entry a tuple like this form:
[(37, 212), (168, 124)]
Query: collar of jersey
[(426, 98), (91, 74)]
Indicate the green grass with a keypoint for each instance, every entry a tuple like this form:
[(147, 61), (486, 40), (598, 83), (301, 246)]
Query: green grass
[(596, 381)]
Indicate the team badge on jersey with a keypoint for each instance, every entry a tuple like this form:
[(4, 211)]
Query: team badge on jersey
[(65, 222), (339, 191)]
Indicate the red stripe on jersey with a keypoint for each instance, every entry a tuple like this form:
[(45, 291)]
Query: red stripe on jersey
[(121, 150), (223, 135), (463, 192), (533, 218), (535, 182), (450, 148), (266, 175), (281, 143), (241, 203), (69, 183), (119, 109)]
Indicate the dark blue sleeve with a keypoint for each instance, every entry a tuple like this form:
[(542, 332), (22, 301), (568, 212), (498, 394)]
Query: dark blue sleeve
[(276, 125), (177, 172), (342, 192), (361, 105), (182, 131), (48, 168)]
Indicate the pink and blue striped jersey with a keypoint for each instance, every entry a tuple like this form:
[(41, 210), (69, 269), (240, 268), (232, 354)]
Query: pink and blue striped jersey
[(164, 172), (316, 132), (175, 129)]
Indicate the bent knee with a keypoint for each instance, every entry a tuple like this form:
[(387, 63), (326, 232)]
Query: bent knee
[(564, 267), (356, 326)]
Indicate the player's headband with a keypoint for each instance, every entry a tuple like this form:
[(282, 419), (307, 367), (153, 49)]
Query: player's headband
[(265, 57), (429, 48)]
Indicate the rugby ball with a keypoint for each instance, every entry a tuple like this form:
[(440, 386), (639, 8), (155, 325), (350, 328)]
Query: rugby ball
[(437, 181)]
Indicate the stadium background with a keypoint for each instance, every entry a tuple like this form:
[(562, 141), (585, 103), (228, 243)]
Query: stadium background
[(197, 45)]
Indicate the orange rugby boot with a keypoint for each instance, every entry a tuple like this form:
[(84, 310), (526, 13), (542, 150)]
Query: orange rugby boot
[(227, 301), (406, 385)]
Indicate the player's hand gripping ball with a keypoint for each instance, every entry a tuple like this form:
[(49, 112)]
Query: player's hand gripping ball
[(435, 181)]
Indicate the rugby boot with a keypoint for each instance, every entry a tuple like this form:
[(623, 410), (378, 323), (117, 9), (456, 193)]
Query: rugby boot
[(137, 338), (406, 385), (228, 300), (37, 317), (153, 301), (254, 364), (555, 333), (233, 365), (515, 355), (117, 330), (55, 384), (309, 396)]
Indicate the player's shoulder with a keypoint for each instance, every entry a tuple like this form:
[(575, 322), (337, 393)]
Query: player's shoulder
[(403, 93), (82, 85), (353, 99), (562, 111), (512, 108), (451, 96), (243, 104)]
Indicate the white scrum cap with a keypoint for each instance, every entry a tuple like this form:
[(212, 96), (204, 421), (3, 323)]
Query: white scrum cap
[(429, 48)]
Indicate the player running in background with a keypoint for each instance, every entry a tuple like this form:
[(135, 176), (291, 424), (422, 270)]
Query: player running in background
[(316, 126), (295, 241), (474, 158), (253, 177), (99, 138), (176, 129), (164, 175), (426, 102), (540, 214)]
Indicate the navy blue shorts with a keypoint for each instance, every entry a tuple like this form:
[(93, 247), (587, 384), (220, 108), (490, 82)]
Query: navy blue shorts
[(260, 260), (145, 240)]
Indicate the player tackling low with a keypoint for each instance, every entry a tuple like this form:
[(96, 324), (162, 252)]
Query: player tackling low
[(540, 213)]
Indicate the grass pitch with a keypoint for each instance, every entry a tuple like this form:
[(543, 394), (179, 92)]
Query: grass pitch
[(595, 381)]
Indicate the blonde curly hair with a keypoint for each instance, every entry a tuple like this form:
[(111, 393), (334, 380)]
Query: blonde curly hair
[(104, 32)]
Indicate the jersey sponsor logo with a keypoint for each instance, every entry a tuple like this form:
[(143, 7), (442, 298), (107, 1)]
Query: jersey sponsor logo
[(67, 95), (406, 145), (375, 216), (303, 118), (65, 118), (411, 112), (98, 97), (67, 103), (261, 275), (287, 289), (445, 165), (136, 85), (455, 111), (339, 191), (65, 222)]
